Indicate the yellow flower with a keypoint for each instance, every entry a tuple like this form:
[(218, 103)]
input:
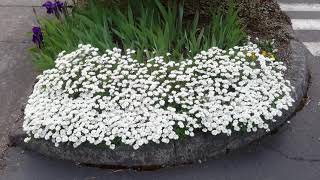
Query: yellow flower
[(253, 56), (264, 53), (272, 58)]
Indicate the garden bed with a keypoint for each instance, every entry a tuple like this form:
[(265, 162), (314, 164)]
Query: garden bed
[(202, 146), (196, 119)]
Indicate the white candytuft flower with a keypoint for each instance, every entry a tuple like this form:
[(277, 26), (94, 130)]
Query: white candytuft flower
[(113, 98)]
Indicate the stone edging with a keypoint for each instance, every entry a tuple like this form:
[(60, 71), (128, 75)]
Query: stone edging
[(202, 146)]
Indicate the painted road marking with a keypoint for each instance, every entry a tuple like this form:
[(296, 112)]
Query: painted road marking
[(306, 24), (300, 7), (314, 47)]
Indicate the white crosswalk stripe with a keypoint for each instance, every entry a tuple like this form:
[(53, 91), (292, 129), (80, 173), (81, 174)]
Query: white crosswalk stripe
[(310, 24), (306, 24), (314, 47), (299, 7)]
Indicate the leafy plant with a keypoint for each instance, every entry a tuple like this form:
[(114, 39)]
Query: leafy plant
[(227, 27), (149, 27), (87, 26)]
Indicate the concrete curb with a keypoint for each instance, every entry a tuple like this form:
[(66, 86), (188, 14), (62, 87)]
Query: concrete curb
[(202, 146)]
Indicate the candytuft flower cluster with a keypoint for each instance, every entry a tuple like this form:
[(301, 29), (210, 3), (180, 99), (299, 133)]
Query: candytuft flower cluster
[(96, 98)]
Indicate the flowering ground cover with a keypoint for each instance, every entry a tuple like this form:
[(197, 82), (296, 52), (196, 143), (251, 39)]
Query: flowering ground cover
[(99, 98), (140, 86)]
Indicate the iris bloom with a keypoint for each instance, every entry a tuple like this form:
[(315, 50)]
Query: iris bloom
[(37, 37), (53, 7)]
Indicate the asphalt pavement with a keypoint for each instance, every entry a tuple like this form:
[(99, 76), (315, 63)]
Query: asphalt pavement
[(293, 153)]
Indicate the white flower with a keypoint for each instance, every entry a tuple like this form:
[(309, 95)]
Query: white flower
[(27, 139), (92, 98)]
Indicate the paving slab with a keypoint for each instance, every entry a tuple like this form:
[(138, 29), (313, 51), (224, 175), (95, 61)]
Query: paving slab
[(16, 22), (25, 3), (20, 2), (16, 81), (16, 72)]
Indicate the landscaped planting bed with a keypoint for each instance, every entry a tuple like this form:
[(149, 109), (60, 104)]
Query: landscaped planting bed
[(118, 91), (96, 98)]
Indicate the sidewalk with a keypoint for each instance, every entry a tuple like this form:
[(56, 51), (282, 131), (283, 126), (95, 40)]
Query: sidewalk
[(16, 74), (292, 153)]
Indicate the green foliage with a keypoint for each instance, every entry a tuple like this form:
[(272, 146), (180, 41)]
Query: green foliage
[(180, 132), (87, 26), (158, 29), (227, 27), (149, 27), (266, 45)]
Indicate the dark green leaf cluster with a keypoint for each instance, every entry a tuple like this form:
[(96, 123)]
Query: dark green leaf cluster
[(150, 27)]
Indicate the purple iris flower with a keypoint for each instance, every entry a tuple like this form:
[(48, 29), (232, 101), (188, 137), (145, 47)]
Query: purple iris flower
[(37, 37), (53, 7), (50, 7), (59, 5)]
